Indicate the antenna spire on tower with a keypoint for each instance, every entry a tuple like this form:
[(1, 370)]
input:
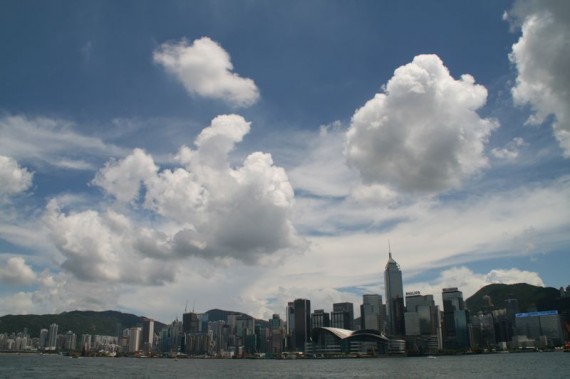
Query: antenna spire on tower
[(389, 250)]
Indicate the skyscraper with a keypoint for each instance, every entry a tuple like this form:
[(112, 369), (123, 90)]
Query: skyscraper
[(43, 339), (290, 323), (342, 316), (456, 334), (148, 335), (423, 331), (135, 334), (394, 297), (320, 319), (302, 331), (190, 322), (372, 312), (52, 344)]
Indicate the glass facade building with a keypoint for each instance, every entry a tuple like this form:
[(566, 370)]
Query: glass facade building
[(394, 297)]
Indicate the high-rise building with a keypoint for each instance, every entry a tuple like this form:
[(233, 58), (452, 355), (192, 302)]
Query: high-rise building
[(43, 343), (455, 330), (302, 331), (394, 297), (134, 339), (52, 344), (277, 328), (147, 335), (342, 316), (544, 327), (86, 342), (290, 321), (372, 312), (190, 322), (320, 319), (423, 331), (70, 341)]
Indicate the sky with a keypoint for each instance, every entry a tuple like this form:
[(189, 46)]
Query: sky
[(163, 156)]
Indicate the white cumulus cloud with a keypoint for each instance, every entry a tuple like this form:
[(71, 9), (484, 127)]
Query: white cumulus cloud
[(122, 179), (205, 69), (102, 247), (542, 57), (14, 270), (13, 178), (422, 133), (206, 208)]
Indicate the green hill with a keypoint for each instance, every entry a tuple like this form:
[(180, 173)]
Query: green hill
[(529, 297), (79, 322)]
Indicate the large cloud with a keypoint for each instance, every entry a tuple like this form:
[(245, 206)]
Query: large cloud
[(207, 208), (542, 58), (205, 69), (13, 178), (423, 132)]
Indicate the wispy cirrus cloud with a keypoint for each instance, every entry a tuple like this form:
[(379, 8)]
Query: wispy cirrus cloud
[(53, 142)]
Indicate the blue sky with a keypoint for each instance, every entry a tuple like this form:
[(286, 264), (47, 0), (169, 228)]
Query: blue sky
[(240, 154)]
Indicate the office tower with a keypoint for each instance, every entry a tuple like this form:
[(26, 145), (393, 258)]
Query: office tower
[(394, 297), (245, 325), (85, 343), (70, 341), (191, 323), (52, 344), (277, 327), (147, 335), (455, 331), (43, 339), (372, 312), (543, 328), (320, 319), (342, 316), (508, 321), (422, 321), (302, 331), (290, 320), (119, 331), (134, 339)]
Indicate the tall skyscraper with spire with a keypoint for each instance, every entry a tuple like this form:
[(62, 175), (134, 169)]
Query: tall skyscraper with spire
[(394, 297)]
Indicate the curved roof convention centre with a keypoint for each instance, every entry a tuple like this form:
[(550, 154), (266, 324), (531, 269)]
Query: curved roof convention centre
[(350, 335)]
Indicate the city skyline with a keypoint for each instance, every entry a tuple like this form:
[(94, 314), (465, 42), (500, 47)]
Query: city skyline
[(223, 334), (241, 154)]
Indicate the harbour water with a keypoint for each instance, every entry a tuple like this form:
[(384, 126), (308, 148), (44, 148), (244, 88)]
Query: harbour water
[(522, 365)]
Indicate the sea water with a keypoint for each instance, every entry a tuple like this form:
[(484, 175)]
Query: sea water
[(519, 365)]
